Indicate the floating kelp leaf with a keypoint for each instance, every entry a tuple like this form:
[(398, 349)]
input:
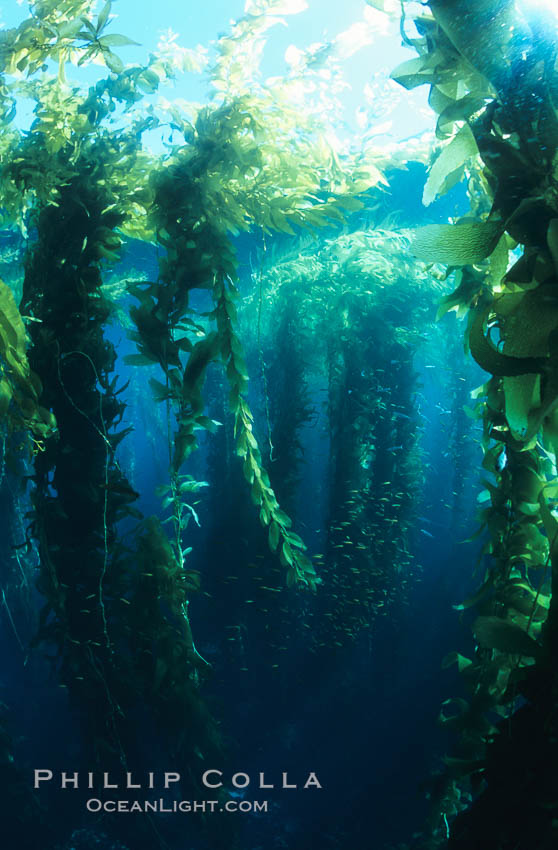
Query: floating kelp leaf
[(459, 110), (117, 437), (552, 240), (5, 398), (462, 767), (485, 45), (495, 633), (160, 391), (467, 291), (103, 16), (527, 480), (11, 320), (527, 320), (210, 425), (390, 7), (69, 29), (286, 555), (282, 517), (148, 81), (461, 244), (116, 65), (490, 359), (116, 40), (453, 709), (522, 393), (550, 436), (483, 591), (192, 580), (499, 261), (273, 536), (416, 72), (456, 658), (291, 577), (527, 601), (448, 168), (138, 360), (194, 514), (529, 508), (551, 528)]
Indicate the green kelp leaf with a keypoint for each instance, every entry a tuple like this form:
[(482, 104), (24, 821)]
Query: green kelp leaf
[(291, 577), (499, 261), (286, 555), (527, 480), (116, 65), (528, 508), (448, 168), (525, 600), (466, 292), (456, 658), (5, 398), (482, 36), (495, 633), (528, 320), (462, 767), (461, 244), (282, 518), (458, 110), (160, 391), (210, 425), (390, 7), (490, 359), (484, 590), (552, 240), (190, 485), (522, 394), (192, 580), (416, 72), (148, 81), (11, 320), (116, 40), (138, 360), (551, 528), (453, 712), (273, 536), (69, 29), (550, 433), (103, 16)]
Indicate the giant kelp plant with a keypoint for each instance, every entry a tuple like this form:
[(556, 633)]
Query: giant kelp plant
[(492, 72)]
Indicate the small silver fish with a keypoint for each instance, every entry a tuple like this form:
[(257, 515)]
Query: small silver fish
[(502, 460)]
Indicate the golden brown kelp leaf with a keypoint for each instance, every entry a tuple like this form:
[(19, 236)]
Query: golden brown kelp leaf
[(465, 243)]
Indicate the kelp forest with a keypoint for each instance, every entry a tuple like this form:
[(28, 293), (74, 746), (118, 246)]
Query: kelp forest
[(279, 427)]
